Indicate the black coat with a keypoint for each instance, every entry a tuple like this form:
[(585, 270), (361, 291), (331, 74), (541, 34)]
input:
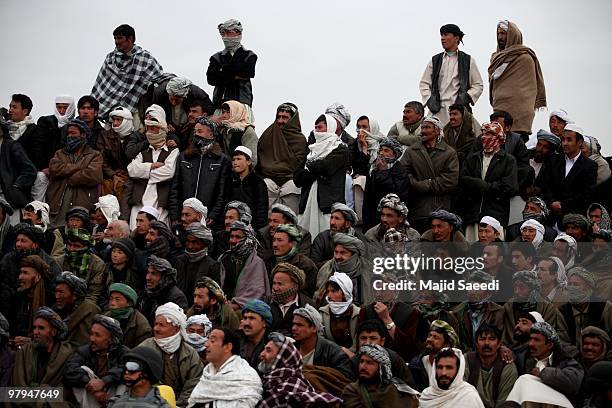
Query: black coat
[(17, 173), (190, 272), (282, 323), (223, 68), (378, 184), (330, 173), (574, 190), (37, 146), (205, 177), (148, 303), (52, 134), (490, 196), (92, 141), (253, 192), (160, 97), (75, 376)]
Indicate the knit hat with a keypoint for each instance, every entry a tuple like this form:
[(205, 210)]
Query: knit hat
[(126, 245), (126, 290)]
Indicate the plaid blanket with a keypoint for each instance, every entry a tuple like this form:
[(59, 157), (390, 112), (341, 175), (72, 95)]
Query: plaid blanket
[(124, 79)]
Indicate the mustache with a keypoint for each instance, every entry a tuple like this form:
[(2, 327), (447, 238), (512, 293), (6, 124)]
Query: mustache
[(487, 348)]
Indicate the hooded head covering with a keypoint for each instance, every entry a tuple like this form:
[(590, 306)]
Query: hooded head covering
[(178, 86), (239, 117), (529, 278), (157, 118), (126, 245), (311, 314), (206, 121), (126, 127), (42, 209), (109, 205), (261, 308), (436, 123), (576, 294), (161, 265), (393, 202), (346, 286), (492, 137), (496, 225), (194, 339), (325, 142), (174, 315), (539, 237), (74, 143), (393, 145), (561, 273), (605, 217), (213, 288), (572, 247), (54, 320), (350, 242), (286, 211), (579, 220), (64, 119), (381, 356), (113, 327), (197, 206), (247, 245), (244, 211), (340, 113), (77, 285), (347, 212), (373, 138)]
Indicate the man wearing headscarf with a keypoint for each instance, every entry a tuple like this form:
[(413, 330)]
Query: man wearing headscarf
[(340, 315), (342, 117), (160, 241), (281, 214), (323, 178), (488, 181), (126, 73), (236, 129), (198, 328), (42, 360), (71, 304), (557, 120), (526, 299), (28, 241), (461, 130), (451, 77), (376, 384), (95, 370), (196, 263), (313, 347), (599, 217), (75, 172), (193, 211), (203, 172), (535, 209), (160, 288), (584, 309), (369, 137), (175, 96), (115, 146), (565, 248), (230, 71), (282, 150), (579, 227), (553, 280), (152, 170), (122, 301), (64, 111), (568, 182), (106, 210), (78, 259), (285, 246), (393, 214), (432, 171), (444, 226), (519, 340), (209, 299), (350, 258), (37, 213), (516, 83), (182, 366), (284, 383), (247, 186), (408, 130), (558, 375), (595, 346), (342, 219), (447, 388), (548, 145), (592, 149)]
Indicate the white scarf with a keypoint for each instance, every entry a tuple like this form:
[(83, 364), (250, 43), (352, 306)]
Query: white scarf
[(460, 394), (44, 213), (170, 344), (127, 125), (531, 388), (235, 385), (17, 129), (346, 285), (325, 142), (373, 137), (70, 111), (536, 225)]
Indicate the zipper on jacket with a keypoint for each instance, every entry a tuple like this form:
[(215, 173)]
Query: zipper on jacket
[(199, 170)]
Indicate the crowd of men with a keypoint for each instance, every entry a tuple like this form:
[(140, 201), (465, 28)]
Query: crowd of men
[(156, 251)]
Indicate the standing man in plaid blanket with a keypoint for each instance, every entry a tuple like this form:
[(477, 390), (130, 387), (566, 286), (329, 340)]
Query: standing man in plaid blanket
[(126, 74)]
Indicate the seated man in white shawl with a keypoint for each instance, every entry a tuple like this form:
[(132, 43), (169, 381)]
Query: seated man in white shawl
[(228, 380), (554, 377), (182, 366), (448, 388)]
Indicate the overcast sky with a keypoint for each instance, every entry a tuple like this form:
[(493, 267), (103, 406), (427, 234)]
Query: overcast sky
[(369, 55)]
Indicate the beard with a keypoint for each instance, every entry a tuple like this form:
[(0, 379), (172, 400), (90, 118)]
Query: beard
[(264, 367), (444, 386), (520, 337)]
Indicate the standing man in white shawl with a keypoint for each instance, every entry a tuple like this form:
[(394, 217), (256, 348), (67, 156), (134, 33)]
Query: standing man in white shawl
[(323, 178), (448, 389), (228, 381), (182, 366)]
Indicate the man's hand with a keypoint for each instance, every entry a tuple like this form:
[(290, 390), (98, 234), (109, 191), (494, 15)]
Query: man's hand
[(363, 143), (556, 207), (170, 129), (98, 236), (20, 341), (506, 354), (101, 397), (535, 371), (171, 143), (156, 165), (216, 119), (383, 312), (95, 385)]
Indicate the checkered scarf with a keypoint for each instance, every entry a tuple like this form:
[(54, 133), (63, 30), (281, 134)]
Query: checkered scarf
[(124, 78), (285, 384)]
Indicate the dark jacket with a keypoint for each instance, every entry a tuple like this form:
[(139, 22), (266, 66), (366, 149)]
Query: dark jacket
[(574, 190), (463, 69), (17, 173), (223, 68), (136, 328), (92, 141), (379, 183), (52, 133), (75, 376), (329, 354), (564, 374), (149, 302), (252, 190), (205, 177), (113, 148), (399, 368), (282, 323), (490, 196), (305, 264), (37, 146), (493, 315), (190, 272), (265, 252), (83, 177), (160, 97), (323, 247), (330, 173)]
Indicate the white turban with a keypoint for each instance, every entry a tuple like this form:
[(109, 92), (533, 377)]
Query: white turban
[(197, 206), (175, 316), (572, 246), (158, 113), (109, 205), (195, 340), (178, 86), (346, 286), (496, 225), (127, 125), (539, 231), (339, 112), (69, 115), (503, 24), (561, 273), (562, 114), (44, 212)]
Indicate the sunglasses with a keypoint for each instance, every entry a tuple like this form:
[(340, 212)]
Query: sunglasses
[(132, 366)]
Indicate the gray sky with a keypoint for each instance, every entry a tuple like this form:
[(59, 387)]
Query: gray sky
[(368, 55)]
